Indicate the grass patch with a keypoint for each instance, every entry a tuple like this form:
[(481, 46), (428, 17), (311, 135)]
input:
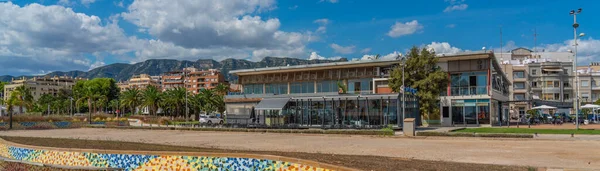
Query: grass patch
[(471, 134), (529, 131), (352, 161)]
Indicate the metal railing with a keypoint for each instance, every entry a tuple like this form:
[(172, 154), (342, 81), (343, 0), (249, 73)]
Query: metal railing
[(470, 90)]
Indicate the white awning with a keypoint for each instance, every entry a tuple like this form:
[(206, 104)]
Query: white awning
[(555, 70), (272, 104)]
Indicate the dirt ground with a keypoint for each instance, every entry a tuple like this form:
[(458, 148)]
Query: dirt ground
[(351, 161), (522, 152)]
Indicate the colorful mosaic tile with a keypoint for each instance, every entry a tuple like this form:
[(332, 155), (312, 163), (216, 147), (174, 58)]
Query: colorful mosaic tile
[(140, 162)]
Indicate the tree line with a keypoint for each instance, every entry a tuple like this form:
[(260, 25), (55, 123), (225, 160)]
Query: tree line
[(101, 95)]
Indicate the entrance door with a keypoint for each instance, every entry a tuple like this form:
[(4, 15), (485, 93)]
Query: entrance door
[(446, 121)]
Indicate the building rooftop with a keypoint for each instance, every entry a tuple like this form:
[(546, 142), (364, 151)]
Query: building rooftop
[(322, 65)]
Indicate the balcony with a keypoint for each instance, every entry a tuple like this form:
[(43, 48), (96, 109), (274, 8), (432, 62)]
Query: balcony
[(466, 91)]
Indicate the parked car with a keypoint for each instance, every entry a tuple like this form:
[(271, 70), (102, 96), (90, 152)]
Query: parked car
[(210, 119)]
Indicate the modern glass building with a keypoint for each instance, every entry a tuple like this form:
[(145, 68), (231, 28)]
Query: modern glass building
[(312, 96), (478, 92)]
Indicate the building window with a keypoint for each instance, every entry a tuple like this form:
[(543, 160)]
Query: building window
[(521, 111), (585, 95), (556, 96), (585, 83), (534, 72), (566, 84), (519, 85), (519, 97), (519, 74), (566, 97), (534, 84), (556, 83)]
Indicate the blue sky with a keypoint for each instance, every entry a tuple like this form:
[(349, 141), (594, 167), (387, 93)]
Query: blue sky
[(48, 35)]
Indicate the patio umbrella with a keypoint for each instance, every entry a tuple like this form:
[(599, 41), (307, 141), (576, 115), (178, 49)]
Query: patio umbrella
[(593, 107)]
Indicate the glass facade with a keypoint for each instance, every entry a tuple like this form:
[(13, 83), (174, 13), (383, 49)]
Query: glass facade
[(327, 86), (519, 74), (343, 112), (302, 87), (276, 88), (471, 111), (468, 83), (253, 89), (360, 86)]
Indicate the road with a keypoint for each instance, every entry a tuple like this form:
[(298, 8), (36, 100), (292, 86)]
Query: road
[(553, 153)]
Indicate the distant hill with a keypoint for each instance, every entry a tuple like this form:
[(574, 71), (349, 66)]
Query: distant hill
[(122, 72)]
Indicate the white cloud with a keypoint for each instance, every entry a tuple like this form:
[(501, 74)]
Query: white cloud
[(365, 50), (53, 38), (87, 2), (455, 5), (401, 29), (216, 24), (393, 55), (451, 25), (330, 1), (314, 56), (119, 4), (443, 48), (65, 3), (341, 49), (458, 7), (293, 7), (587, 49), (322, 25)]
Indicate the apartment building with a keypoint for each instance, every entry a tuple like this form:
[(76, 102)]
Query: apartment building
[(589, 87), (140, 82), (197, 80), (192, 79), (538, 78), (41, 85)]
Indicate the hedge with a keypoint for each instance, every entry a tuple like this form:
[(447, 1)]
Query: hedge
[(465, 134)]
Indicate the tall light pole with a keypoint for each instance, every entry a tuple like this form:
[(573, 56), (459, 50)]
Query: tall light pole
[(71, 108), (576, 101)]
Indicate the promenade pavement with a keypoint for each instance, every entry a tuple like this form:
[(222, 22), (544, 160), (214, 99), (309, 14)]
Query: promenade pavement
[(576, 153)]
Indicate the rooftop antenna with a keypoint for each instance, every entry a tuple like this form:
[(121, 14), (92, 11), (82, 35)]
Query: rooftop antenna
[(534, 41), (501, 50)]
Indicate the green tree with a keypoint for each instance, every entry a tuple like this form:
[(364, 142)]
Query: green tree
[(152, 97), (2, 92), (23, 98), (422, 73), (43, 102), (221, 89), (175, 100), (101, 87), (132, 98), (208, 96)]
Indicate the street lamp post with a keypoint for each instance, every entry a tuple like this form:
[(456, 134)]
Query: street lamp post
[(403, 89), (576, 101)]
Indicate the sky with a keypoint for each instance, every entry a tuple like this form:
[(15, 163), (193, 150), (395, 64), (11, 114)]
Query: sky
[(41, 36)]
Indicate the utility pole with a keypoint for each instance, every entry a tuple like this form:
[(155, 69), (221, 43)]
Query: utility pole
[(185, 80)]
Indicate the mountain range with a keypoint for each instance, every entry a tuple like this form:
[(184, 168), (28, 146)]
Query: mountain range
[(122, 71)]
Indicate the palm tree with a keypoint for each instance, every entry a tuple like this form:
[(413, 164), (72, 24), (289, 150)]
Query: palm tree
[(88, 94), (221, 89), (132, 97), (152, 97), (23, 98), (114, 105), (10, 105), (207, 97), (175, 99)]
